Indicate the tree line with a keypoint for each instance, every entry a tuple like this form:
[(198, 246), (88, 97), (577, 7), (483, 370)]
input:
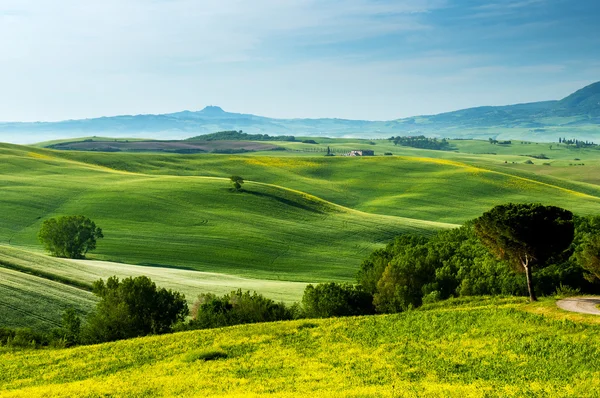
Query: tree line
[(234, 135), (422, 142)]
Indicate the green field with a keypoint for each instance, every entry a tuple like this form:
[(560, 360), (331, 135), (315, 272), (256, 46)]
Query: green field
[(462, 348), (38, 303), (302, 218), (81, 273)]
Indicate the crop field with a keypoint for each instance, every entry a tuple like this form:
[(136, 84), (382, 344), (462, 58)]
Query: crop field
[(38, 303), (462, 348), (190, 283)]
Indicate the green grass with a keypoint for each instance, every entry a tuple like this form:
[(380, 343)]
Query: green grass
[(265, 232), (302, 218), (428, 185), (473, 348), (190, 283), (38, 303)]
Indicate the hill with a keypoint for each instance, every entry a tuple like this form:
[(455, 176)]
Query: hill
[(266, 231), (462, 348), (417, 184), (301, 218), (576, 116)]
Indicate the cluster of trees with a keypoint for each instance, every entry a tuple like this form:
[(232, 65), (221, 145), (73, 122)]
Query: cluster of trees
[(577, 143), (234, 135), (422, 142), (129, 308), (496, 142), (493, 255), (235, 308)]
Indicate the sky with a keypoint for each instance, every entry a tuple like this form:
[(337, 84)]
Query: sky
[(354, 59)]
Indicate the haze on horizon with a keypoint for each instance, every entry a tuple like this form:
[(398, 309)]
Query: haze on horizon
[(353, 59)]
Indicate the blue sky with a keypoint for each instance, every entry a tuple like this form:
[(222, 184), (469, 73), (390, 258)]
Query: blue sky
[(355, 59)]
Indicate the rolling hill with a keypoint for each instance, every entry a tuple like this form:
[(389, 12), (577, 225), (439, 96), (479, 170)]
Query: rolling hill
[(463, 348), (576, 116), (302, 217)]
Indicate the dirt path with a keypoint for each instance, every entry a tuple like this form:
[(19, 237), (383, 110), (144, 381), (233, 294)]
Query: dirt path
[(585, 305)]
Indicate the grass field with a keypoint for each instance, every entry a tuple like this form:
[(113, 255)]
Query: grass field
[(462, 348), (266, 232), (446, 187), (35, 289), (38, 303), (302, 217), (190, 283)]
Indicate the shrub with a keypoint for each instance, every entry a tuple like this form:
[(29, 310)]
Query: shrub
[(237, 307), (333, 299), (566, 291)]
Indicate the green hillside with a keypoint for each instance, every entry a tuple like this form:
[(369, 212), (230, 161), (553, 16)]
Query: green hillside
[(190, 283), (428, 185), (303, 217), (38, 303), (474, 348), (267, 231)]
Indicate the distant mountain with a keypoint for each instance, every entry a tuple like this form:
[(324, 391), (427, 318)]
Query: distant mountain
[(576, 116)]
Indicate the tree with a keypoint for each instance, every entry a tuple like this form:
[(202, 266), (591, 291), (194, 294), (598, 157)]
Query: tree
[(589, 258), (69, 236), (401, 284), (237, 182), (71, 327), (133, 307), (526, 235)]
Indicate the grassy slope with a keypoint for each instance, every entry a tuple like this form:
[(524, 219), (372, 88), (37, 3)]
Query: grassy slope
[(197, 223), (190, 283), (469, 348), (428, 185), (37, 303)]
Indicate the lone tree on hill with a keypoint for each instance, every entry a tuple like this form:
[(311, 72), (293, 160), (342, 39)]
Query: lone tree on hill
[(237, 182), (69, 236), (526, 235)]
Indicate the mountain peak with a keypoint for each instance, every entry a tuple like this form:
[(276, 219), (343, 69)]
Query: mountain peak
[(586, 99), (213, 110)]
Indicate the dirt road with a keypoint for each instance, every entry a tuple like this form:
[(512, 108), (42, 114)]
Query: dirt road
[(585, 305)]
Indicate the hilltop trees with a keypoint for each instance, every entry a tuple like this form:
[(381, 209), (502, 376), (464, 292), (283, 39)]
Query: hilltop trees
[(526, 235), (69, 236)]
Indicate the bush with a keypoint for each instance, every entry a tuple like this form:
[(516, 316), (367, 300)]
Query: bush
[(133, 307), (332, 299), (22, 338), (237, 307)]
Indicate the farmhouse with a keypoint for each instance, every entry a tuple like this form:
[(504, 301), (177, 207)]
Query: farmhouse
[(364, 152)]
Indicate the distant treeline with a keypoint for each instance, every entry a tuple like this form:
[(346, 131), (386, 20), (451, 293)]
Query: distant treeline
[(422, 142), (577, 143), (494, 142), (233, 135)]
